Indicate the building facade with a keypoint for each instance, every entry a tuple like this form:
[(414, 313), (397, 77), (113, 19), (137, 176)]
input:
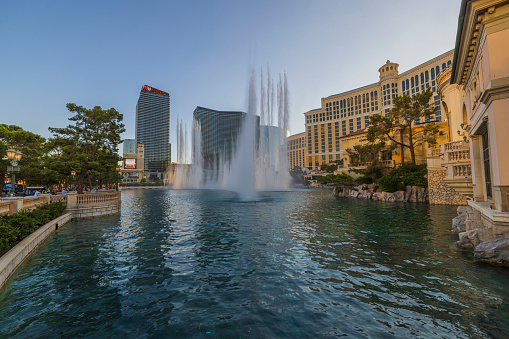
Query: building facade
[(347, 113), (297, 147), (133, 165), (219, 131), (153, 130), (481, 66)]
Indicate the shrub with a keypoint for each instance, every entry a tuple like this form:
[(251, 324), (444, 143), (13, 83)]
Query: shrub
[(16, 227), (407, 174)]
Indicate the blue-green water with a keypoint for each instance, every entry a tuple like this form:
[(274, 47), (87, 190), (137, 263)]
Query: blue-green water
[(191, 264)]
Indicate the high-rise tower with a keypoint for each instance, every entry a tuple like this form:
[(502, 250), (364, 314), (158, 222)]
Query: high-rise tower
[(153, 130)]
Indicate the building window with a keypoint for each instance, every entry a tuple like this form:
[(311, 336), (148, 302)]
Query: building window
[(403, 86), (416, 80), (422, 77), (433, 74), (427, 76), (443, 66)]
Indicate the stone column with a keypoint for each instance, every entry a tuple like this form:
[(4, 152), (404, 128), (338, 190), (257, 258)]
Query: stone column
[(476, 163), (16, 204), (72, 200)]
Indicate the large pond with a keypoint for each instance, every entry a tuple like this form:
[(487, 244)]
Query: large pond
[(301, 264)]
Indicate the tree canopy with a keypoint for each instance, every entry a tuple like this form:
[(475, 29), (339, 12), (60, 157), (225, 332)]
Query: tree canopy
[(31, 146), (89, 144), (399, 127)]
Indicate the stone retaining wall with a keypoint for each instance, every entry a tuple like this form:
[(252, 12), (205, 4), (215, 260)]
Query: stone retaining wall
[(439, 192), (11, 260), (411, 194), (94, 211)]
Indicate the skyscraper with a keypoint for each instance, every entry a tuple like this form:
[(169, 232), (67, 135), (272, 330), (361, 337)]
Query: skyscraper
[(219, 131), (153, 129)]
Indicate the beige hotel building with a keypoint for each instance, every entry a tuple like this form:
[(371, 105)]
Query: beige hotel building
[(345, 115)]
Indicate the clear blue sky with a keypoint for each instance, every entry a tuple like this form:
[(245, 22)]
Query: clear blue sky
[(202, 52)]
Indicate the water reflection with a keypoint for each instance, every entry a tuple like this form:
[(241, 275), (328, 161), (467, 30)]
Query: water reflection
[(293, 264)]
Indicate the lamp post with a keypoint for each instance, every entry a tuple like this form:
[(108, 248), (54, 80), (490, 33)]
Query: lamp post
[(13, 156), (116, 177), (73, 173)]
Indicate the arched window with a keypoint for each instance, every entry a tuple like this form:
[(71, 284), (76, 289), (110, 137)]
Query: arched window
[(391, 68), (443, 66), (364, 98), (416, 80), (407, 85), (387, 68), (433, 74), (437, 70), (448, 63), (341, 104), (371, 96), (413, 82), (427, 76), (403, 86), (422, 78)]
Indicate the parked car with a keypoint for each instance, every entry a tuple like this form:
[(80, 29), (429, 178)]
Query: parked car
[(31, 190)]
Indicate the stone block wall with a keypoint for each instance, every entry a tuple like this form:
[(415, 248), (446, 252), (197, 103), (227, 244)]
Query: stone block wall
[(94, 211), (439, 192)]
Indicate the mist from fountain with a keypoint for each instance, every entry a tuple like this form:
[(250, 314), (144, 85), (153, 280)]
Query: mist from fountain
[(254, 166)]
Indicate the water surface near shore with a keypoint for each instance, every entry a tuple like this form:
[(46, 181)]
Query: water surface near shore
[(188, 264)]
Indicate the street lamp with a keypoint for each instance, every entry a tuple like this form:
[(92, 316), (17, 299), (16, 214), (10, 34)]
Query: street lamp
[(73, 173), (116, 177), (13, 156)]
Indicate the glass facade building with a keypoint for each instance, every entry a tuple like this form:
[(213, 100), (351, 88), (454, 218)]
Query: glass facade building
[(153, 128), (219, 131)]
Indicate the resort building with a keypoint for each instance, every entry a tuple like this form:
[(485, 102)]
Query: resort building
[(219, 131), (347, 114), (132, 161), (296, 145), (481, 67), (153, 130)]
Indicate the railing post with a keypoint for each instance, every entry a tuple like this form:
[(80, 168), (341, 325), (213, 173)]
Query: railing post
[(16, 204), (72, 200)]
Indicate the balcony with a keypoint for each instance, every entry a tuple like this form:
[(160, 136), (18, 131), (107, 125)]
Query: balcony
[(456, 159)]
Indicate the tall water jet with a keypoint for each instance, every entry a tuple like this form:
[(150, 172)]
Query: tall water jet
[(252, 157), (241, 175)]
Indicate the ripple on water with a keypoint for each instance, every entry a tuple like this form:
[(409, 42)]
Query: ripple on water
[(291, 264)]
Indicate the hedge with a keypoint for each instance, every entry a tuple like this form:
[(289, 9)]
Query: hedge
[(16, 227)]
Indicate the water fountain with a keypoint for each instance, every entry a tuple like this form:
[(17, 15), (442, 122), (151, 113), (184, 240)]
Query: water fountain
[(259, 163)]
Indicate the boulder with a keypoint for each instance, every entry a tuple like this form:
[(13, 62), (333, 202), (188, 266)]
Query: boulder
[(408, 193), (399, 196), (493, 250), (458, 223), (468, 239), (472, 238)]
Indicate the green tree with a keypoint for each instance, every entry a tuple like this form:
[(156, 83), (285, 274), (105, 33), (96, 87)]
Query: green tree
[(89, 144), (361, 154), (329, 168), (399, 126), (31, 145)]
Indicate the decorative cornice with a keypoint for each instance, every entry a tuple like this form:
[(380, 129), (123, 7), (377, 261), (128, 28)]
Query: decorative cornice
[(495, 93)]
